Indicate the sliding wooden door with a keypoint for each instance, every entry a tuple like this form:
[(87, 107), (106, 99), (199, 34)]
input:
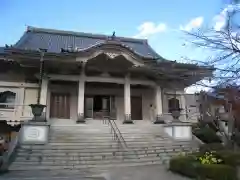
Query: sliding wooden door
[(60, 105)]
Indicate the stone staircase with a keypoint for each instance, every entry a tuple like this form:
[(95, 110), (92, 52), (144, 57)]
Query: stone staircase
[(93, 146)]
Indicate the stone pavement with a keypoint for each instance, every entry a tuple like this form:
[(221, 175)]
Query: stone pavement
[(151, 172)]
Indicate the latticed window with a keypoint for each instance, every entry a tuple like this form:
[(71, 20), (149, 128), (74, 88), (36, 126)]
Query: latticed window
[(173, 104), (7, 99)]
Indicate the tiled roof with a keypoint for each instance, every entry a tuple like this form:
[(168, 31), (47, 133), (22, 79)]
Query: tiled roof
[(2, 50), (54, 40)]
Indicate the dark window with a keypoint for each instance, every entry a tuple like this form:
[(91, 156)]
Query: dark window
[(173, 104), (7, 99)]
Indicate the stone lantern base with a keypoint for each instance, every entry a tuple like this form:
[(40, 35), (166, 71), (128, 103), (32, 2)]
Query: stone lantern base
[(34, 133)]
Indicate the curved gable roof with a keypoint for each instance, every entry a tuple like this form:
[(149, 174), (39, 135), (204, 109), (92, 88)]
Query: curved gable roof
[(55, 40)]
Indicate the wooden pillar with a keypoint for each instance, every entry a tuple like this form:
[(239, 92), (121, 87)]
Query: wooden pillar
[(81, 92), (159, 108), (127, 101), (183, 106), (43, 95)]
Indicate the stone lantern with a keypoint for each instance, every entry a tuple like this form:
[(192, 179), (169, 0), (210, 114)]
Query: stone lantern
[(36, 131), (176, 113), (37, 109)]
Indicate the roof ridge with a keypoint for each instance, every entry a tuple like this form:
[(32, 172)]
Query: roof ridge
[(75, 33)]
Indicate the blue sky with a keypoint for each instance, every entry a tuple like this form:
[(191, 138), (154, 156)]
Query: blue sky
[(157, 20), (106, 16)]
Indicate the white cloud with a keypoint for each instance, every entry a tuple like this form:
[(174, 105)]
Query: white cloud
[(193, 24), (196, 89), (203, 85), (220, 20), (150, 28)]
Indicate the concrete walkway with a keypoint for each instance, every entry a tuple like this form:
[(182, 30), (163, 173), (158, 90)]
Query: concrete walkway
[(151, 172)]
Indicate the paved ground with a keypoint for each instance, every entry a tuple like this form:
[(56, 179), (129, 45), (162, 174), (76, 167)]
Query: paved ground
[(153, 172)]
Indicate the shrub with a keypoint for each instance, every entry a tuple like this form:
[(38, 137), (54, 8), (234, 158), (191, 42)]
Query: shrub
[(211, 147), (183, 165), (236, 138), (216, 172), (188, 166), (209, 158), (229, 157), (207, 135)]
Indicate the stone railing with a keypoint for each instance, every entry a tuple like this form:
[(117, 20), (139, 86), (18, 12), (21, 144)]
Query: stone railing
[(6, 158)]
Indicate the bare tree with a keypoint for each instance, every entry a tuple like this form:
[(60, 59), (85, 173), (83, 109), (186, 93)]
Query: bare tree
[(223, 44)]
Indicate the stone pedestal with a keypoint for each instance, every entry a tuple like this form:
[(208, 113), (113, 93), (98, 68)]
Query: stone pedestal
[(127, 119), (34, 133), (179, 131), (159, 120), (80, 118)]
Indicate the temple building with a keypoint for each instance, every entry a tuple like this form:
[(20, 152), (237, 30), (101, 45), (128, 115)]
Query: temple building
[(88, 76)]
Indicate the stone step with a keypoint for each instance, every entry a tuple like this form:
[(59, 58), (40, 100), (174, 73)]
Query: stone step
[(110, 139), (99, 153), (88, 158), (104, 136), (94, 157), (105, 152), (111, 143), (106, 139), (103, 127), (101, 147), (80, 167), (106, 145), (90, 162), (107, 133)]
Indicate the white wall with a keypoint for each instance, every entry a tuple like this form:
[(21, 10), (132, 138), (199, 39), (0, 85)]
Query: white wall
[(26, 94), (30, 97)]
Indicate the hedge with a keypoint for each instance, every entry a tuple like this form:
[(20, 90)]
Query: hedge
[(207, 135), (217, 171), (188, 166), (183, 165), (231, 158)]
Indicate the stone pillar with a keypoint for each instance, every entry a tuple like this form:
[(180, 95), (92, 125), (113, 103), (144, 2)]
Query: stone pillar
[(43, 95), (127, 101), (158, 103), (183, 106), (81, 92)]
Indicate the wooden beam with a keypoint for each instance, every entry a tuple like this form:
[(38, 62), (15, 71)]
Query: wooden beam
[(18, 84), (99, 79)]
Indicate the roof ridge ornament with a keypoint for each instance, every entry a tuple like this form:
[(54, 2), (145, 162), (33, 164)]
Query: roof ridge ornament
[(113, 37)]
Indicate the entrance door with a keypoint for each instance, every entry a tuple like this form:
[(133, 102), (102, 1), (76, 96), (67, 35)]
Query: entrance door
[(136, 108), (89, 107), (113, 110), (60, 105)]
